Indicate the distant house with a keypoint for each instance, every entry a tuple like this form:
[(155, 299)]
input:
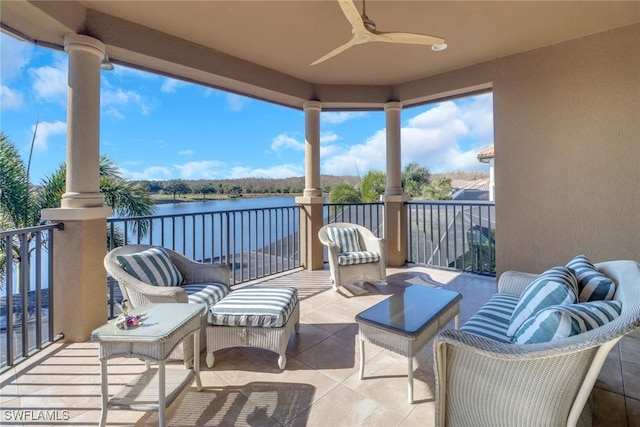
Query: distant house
[(470, 190), (487, 156)]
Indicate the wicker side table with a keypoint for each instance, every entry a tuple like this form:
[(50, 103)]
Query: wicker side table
[(164, 327), (406, 321)]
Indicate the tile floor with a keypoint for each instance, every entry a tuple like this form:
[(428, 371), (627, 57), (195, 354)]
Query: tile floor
[(320, 385)]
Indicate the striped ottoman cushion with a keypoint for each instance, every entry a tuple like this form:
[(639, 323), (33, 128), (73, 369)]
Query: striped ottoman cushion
[(492, 321), (206, 293), (361, 257), (261, 307)]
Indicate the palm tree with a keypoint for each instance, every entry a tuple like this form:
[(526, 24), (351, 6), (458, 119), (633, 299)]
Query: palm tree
[(21, 202)]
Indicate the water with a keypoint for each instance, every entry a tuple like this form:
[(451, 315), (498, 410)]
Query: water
[(223, 205)]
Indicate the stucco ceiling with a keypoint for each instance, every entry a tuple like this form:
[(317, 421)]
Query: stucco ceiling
[(265, 48)]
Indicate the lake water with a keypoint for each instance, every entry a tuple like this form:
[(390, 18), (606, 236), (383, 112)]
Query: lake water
[(223, 205)]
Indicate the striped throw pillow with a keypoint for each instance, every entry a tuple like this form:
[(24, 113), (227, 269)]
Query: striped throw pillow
[(152, 266), (346, 238), (555, 286), (592, 284), (562, 321)]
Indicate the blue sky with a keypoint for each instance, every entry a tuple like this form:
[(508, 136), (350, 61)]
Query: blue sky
[(154, 127)]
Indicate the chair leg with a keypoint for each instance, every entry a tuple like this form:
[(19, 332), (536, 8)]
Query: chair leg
[(210, 359)]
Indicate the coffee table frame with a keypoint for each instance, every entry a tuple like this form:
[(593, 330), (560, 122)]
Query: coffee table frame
[(164, 327), (405, 343)]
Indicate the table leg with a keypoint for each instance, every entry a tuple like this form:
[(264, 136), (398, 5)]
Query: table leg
[(410, 369), (104, 390), (456, 321), (361, 355), (196, 359), (161, 393)]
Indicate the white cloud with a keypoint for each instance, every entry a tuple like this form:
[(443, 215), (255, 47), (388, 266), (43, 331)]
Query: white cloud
[(445, 138), (328, 137), (122, 98), (338, 117), (113, 113), (284, 141), (10, 99), (50, 82), (279, 171), (202, 169), (45, 131), (235, 102), (14, 56), (150, 173), (186, 152), (171, 85)]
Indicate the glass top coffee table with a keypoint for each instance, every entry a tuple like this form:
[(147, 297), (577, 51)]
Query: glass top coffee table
[(406, 321)]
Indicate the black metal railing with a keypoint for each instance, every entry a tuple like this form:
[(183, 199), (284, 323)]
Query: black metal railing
[(26, 299), (255, 243), (454, 235), (369, 215)]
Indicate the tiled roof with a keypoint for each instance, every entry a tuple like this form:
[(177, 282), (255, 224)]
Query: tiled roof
[(486, 154), (478, 184)]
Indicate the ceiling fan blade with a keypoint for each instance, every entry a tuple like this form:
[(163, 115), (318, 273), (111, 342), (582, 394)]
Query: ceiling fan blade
[(353, 16), (408, 38), (336, 51)]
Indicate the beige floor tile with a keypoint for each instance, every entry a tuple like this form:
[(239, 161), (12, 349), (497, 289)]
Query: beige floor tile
[(631, 378), (343, 407), (309, 336), (610, 377), (336, 357), (630, 349), (327, 319), (424, 414), (633, 412), (608, 409)]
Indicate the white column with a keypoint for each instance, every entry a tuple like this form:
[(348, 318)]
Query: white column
[(394, 174), (492, 183), (83, 122), (312, 149)]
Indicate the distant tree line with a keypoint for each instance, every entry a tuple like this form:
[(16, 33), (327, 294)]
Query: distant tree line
[(241, 186)]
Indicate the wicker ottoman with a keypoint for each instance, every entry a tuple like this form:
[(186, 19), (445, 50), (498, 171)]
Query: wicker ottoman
[(254, 317)]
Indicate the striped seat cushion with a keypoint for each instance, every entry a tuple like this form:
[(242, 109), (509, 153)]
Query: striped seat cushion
[(592, 284), (562, 321), (262, 307), (492, 320), (346, 238), (555, 286), (361, 257), (152, 266), (206, 293)]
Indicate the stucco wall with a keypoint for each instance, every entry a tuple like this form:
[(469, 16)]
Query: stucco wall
[(567, 144)]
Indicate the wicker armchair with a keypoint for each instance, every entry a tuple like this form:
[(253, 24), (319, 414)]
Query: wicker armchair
[(344, 274), (483, 382), (140, 293)]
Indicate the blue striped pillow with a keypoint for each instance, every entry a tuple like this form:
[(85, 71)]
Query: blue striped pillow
[(346, 238), (562, 321), (152, 266), (592, 285), (555, 286)]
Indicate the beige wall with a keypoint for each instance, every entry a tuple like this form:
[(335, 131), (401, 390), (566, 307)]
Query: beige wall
[(567, 143)]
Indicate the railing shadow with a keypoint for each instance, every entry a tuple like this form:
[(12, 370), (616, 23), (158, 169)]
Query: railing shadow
[(254, 404)]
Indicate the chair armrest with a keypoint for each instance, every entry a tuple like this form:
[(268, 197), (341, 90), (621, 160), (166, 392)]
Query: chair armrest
[(515, 282), (374, 244), (506, 384), (199, 272), (141, 293)]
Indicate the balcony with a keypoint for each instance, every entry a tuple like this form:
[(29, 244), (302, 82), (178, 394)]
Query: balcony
[(320, 385)]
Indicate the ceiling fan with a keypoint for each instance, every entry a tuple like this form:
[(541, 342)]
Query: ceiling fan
[(364, 31)]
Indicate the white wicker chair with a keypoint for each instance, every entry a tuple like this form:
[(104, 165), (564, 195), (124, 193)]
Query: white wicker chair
[(139, 293), (483, 382), (345, 274)]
